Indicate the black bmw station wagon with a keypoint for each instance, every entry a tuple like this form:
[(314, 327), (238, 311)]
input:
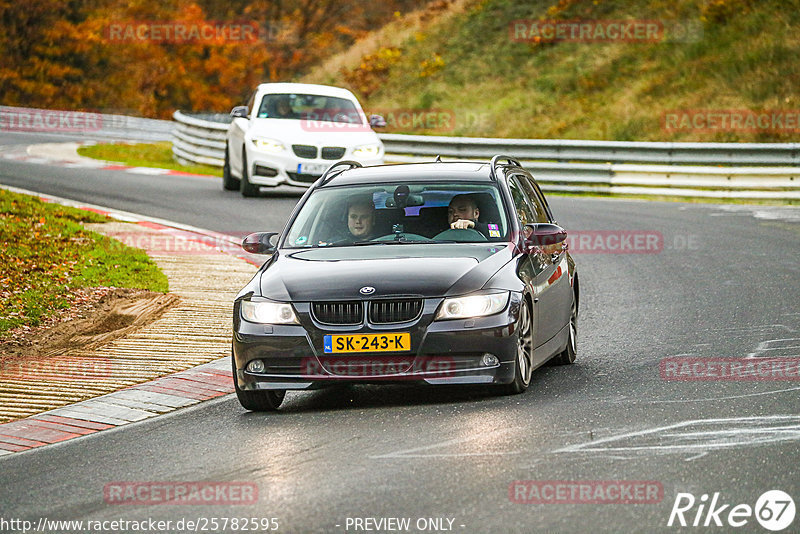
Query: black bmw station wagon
[(437, 273)]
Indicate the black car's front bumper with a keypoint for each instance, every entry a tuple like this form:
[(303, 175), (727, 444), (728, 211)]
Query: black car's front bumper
[(442, 352)]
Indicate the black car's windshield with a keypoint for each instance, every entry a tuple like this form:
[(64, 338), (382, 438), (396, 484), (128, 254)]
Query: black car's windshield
[(397, 214)]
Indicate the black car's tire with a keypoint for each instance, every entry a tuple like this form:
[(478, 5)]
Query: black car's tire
[(247, 189), (229, 183), (567, 356), (257, 401), (523, 363)]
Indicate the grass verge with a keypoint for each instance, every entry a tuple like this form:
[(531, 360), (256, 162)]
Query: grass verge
[(157, 155), (466, 65), (46, 254)]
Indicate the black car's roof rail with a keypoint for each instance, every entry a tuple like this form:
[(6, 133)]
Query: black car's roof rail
[(496, 161), (329, 174)]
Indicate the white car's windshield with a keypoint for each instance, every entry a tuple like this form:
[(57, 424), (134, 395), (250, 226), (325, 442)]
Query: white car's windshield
[(309, 107), (399, 213)]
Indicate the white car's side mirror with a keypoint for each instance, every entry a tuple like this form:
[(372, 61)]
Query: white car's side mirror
[(239, 112)]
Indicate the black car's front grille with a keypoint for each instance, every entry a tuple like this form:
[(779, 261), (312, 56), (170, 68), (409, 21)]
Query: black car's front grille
[(332, 152), (394, 311), (305, 151), (338, 313)]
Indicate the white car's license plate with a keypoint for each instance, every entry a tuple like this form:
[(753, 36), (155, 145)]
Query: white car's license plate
[(311, 168)]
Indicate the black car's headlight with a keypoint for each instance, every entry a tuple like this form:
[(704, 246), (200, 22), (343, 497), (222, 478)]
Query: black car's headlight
[(477, 305), (268, 312)]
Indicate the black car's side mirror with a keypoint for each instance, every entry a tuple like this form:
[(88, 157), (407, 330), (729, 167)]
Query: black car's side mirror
[(259, 243), (239, 112), (377, 121), (543, 234)]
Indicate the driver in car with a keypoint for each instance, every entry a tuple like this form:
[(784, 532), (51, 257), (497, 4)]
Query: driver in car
[(283, 109), (463, 214)]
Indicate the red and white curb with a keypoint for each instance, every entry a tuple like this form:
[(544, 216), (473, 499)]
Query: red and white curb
[(122, 407), (65, 155)]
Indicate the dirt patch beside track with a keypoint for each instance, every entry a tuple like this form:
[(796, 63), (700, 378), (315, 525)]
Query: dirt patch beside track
[(102, 315)]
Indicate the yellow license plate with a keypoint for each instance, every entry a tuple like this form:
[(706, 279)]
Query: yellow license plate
[(396, 342)]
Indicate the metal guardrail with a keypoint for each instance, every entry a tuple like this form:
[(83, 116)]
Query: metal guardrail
[(199, 139), (565, 150), (762, 171), (88, 124)]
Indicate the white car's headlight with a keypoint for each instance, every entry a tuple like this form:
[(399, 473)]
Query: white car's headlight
[(268, 145), (367, 151), (472, 306), (268, 312)]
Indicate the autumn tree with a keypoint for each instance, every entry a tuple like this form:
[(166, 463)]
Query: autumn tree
[(59, 54)]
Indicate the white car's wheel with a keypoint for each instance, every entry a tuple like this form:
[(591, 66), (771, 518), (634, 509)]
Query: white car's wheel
[(247, 189), (229, 183)]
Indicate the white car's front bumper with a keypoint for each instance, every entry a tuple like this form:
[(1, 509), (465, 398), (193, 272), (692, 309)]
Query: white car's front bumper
[(268, 169)]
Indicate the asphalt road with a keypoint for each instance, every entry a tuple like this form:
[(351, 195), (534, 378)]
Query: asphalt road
[(725, 285)]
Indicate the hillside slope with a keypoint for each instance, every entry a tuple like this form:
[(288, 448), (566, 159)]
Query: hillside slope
[(709, 61)]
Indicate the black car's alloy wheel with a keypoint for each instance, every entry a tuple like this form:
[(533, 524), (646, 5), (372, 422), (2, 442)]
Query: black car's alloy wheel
[(257, 401), (523, 366), (567, 356), (247, 189), (229, 183)]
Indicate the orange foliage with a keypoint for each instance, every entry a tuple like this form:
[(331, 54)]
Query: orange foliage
[(373, 70), (60, 54)]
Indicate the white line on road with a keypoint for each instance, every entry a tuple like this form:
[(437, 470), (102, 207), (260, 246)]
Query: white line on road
[(723, 433), (410, 453)]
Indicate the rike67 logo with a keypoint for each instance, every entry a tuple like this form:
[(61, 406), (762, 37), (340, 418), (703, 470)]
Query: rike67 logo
[(774, 510)]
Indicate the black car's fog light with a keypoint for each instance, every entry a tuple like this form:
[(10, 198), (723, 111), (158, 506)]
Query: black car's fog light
[(255, 366), (488, 360)]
